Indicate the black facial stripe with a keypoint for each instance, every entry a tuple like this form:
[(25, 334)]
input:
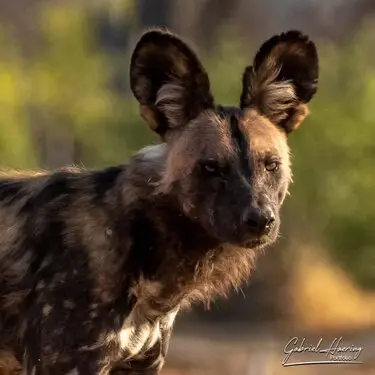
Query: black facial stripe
[(239, 138), (221, 111), (242, 144)]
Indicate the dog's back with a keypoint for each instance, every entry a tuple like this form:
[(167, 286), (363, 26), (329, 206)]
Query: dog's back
[(14, 189), (14, 259), (23, 199), (40, 234)]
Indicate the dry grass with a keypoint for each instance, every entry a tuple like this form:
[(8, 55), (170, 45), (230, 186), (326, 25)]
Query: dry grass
[(324, 297)]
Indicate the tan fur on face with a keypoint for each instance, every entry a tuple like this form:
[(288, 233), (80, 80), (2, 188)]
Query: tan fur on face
[(265, 137)]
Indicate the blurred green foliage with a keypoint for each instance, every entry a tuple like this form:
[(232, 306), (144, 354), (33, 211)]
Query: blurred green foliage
[(68, 82), (334, 155), (16, 148)]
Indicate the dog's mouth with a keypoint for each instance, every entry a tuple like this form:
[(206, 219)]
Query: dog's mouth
[(260, 241), (243, 238), (257, 242), (254, 242)]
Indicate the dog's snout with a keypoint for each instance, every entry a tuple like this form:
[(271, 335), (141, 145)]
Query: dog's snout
[(259, 221)]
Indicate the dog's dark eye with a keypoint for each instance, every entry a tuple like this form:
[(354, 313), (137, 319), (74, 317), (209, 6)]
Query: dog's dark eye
[(210, 166), (272, 165)]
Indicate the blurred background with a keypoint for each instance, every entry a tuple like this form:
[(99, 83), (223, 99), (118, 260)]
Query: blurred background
[(65, 98)]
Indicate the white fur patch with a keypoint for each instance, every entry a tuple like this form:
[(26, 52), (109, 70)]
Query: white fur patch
[(138, 335), (170, 318), (153, 152)]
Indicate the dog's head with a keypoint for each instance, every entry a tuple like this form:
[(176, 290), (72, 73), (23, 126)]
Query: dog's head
[(228, 167)]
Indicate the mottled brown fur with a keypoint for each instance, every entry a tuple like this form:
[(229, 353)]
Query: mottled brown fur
[(95, 265)]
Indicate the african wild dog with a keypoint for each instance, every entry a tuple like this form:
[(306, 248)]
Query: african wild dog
[(95, 265)]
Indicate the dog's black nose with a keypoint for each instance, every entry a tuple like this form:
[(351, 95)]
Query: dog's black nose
[(259, 221)]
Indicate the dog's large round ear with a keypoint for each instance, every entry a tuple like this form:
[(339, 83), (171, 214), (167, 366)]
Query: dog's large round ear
[(283, 78), (168, 81)]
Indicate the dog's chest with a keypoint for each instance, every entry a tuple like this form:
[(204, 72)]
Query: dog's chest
[(138, 334)]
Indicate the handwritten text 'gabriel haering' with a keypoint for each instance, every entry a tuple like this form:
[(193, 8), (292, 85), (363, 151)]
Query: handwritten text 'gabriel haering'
[(335, 352)]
